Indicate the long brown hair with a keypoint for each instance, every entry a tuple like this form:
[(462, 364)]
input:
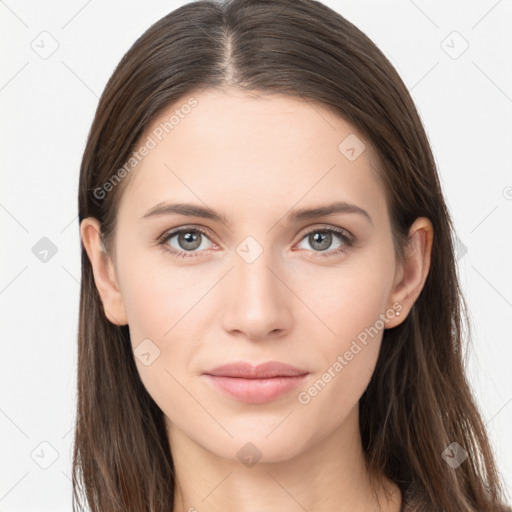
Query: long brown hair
[(418, 401)]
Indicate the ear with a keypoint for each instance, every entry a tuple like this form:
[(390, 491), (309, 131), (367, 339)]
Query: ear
[(104, 271), (411, 275)]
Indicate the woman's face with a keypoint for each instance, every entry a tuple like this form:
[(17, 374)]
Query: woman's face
[(268, 282)]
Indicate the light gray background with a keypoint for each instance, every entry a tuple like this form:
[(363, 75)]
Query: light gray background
[(47, 106)]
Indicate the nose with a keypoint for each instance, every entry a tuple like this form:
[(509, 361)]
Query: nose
[(257, 304)]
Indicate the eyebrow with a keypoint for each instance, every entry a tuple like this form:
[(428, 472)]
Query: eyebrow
[(192, 210)]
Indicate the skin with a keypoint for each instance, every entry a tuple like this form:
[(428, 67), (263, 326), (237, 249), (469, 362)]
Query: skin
[(254, 159)]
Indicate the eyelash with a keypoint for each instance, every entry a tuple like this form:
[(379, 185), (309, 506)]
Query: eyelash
[(347, 239)]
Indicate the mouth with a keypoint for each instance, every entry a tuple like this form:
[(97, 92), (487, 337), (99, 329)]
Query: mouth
[(255, 384)]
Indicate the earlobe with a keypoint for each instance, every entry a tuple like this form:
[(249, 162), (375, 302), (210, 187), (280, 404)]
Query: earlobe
[(104, 272), (413, 273)]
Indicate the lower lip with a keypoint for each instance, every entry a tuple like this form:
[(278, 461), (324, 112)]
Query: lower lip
[(255, 391)]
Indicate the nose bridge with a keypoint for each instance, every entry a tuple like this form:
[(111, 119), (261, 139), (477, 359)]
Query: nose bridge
[(256, 304), (255, 277)]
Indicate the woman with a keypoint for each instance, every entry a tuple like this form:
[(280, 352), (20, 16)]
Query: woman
[(270, 316)]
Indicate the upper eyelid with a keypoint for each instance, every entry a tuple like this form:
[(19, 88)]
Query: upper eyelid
[(176, 231)]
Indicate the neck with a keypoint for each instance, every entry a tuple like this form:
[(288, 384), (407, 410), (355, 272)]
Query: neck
[(328, 476)]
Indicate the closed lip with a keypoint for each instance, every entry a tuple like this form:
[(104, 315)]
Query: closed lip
[(264, 370)]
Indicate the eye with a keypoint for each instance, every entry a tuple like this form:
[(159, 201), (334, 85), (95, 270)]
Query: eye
[(320, 239), (187, 241)]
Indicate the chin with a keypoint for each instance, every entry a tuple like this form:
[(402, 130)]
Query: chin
[(258, 449)]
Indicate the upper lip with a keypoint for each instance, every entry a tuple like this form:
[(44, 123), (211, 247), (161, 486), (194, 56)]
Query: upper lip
[(261, 371)]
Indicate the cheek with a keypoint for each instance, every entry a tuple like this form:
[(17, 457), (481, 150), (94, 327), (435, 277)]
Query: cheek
[(164, 324), (352, 302), (155, 295), (349, 298), (348, 360)]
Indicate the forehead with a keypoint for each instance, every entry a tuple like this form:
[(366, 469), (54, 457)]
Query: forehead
[(237, 150)]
